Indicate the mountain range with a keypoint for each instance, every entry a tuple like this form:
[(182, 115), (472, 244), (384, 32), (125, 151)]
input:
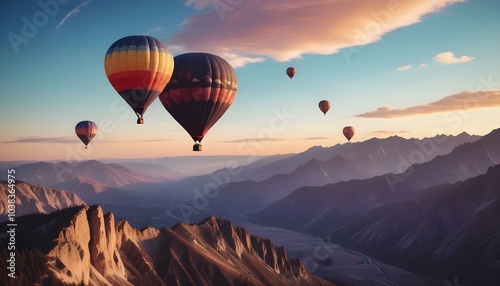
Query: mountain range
[(317, 166), (84, 245), (31, 198), (412, 219)]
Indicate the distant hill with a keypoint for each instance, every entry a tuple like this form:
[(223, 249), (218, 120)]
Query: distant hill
[(83, 245), (86, 178), (32, 198)]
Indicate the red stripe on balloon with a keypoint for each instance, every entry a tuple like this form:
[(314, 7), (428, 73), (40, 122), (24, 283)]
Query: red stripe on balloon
[(138, 80)]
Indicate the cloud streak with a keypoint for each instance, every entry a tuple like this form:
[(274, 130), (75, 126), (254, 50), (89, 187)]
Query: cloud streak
[(71, 139), (466, 100), (249, 140), (41, 139), (252, 31), (404, 68), (450, 58), (73, 12), (388, 132)]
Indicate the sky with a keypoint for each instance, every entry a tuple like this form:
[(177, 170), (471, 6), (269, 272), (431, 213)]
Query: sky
[(388, 67)]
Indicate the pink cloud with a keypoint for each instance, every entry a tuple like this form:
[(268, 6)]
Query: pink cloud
[(251, 31), (466, 100)]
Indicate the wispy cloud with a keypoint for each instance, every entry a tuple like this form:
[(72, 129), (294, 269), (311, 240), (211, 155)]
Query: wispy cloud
[(248, 140), (423, 65), (289, 29), (72, 139), (199, 4), (317, 138), (388, 132), (41, 139), (450, 58), (466, 100), (154, 30), (404, 68), (73, 12)]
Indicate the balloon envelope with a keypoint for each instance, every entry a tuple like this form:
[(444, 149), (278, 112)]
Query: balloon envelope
[(139, 68), (324, 106), (290, 72), (86, 131), (348, 132), (202, 88)]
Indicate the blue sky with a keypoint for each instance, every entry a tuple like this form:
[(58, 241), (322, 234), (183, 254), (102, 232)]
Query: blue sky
[(360, 55)]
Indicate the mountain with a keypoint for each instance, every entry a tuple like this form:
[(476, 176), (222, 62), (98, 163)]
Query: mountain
[(405, 219), (83, 245), (250, 195), (158, 170), (338, 163), (85, 178), (375, 156), (323, 209), (31, 198), (448, 230), (110, 175), (191, 165)]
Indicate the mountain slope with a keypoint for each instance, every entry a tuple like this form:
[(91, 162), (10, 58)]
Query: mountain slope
[(82, 244), (335, 204), (109, 175), (448, 230), (250, 195), (425, 220), (375, 156), (31, 198)]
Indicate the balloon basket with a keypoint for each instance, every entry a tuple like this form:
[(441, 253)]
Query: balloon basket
[(197, 147), (140, 120)]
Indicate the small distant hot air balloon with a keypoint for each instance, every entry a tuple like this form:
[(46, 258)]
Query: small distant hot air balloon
[(139, 68), (290, 72), (202, 88), (324, 106), (86, 131), (348, 132)]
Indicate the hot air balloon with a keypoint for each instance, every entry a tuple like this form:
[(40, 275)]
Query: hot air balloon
[(86, 131), (202, 88), (290, 72), (348, 132), (324, 106), (139, 68)]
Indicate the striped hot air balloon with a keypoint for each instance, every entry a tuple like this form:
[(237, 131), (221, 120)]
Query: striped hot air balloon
[(202, 88), (139, 68), (86, 131)]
